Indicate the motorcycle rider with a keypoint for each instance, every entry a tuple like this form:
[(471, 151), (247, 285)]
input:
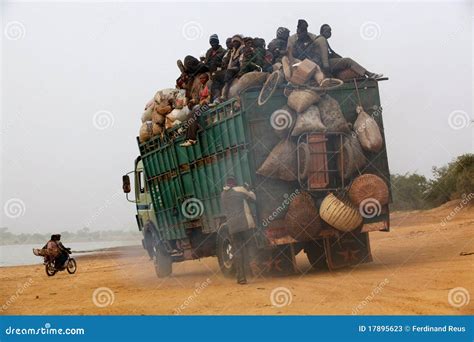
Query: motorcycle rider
[(56, 251)]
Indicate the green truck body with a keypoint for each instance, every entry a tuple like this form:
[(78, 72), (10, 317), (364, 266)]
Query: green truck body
[(178, 188)]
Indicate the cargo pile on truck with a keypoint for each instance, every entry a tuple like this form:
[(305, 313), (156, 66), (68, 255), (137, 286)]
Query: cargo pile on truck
[(310, 145)]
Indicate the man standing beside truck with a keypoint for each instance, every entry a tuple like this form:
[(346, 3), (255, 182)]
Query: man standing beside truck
[(240, 222)]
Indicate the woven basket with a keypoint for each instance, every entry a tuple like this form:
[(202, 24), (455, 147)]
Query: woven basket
[(302, 218), (339, 214), (368, 186), (300, 100)]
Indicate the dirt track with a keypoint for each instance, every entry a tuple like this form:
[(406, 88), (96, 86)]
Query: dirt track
[(415, 266)]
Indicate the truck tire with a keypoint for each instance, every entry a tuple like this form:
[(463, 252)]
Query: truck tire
[(224, 252), (163, 262), (315, 252)]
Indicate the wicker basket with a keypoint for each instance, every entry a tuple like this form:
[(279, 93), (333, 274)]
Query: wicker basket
[(368, 186), (302, 218), (339, 214)]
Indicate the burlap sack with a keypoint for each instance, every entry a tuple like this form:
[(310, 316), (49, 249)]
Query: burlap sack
[(147, 130), (367, 131), (331, 115), (300, 100), (163, 109), (148, 113), (302, 219), (166, 95), (246, 81), (353, 157), (179, 114), (281, 162), (308, 121), (158, 119)]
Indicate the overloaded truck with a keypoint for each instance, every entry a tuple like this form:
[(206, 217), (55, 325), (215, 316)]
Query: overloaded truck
[(177, 189)]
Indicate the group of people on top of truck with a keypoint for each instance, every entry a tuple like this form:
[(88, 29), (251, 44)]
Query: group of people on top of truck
[(206, 81)]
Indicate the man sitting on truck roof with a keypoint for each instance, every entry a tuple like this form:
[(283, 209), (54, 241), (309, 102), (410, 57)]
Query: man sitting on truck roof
[(304, 47), (301, 33), (214, 55), (240, 223), (277, 47), (332, 63)]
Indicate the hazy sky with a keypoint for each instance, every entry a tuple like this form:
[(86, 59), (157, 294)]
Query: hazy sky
[(75, 78)]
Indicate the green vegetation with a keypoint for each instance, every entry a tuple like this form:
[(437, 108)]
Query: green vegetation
[(412, 191), (82, 235)]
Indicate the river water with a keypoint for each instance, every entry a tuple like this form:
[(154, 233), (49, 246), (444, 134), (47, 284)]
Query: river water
[(15, 255)]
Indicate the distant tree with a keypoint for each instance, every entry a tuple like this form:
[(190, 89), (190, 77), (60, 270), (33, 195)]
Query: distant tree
[(409, 191)]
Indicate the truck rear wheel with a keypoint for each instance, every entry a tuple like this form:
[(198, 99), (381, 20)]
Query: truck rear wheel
[(225, 253), (315, 252), (163, 262)]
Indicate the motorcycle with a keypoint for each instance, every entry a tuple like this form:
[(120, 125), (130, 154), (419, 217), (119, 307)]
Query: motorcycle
[(52, 268)]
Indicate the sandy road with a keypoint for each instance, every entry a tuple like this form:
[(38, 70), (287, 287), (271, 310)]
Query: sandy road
[(415, 267)]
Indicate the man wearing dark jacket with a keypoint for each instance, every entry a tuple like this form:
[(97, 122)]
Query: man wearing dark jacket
[(214, 55), (331, 62), (240, 222), (277, 47)]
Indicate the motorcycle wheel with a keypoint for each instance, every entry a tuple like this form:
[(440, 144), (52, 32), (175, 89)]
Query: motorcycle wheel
[(50, 269), (71, 266)]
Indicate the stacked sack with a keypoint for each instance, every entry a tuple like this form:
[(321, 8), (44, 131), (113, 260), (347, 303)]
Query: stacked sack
[(166, 109)]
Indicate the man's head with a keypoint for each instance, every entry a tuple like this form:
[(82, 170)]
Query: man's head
[(325, 31), (231, 181), (203, 78), (228, 43), (248, 42), (237, 41), (214, 41), (302, 29), (283, 33)]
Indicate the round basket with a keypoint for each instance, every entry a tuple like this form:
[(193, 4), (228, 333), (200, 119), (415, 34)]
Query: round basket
[(286, 67), (368, 186), (302, 218), (339, 214)]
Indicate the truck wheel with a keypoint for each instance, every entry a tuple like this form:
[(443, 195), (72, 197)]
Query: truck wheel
[(163, 262), (224, 252), (315, 252)]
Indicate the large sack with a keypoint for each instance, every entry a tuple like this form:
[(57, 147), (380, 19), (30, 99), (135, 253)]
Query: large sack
[(149, 129), (302, 219), (340, 214), (148, 113), (179, 114), (163, 109), (281, 162), (308, 121), (354, 158), (331, 115), (166, 95), (303, 71), (248, 80), (158, 119), (367, 131), (300, 100)]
